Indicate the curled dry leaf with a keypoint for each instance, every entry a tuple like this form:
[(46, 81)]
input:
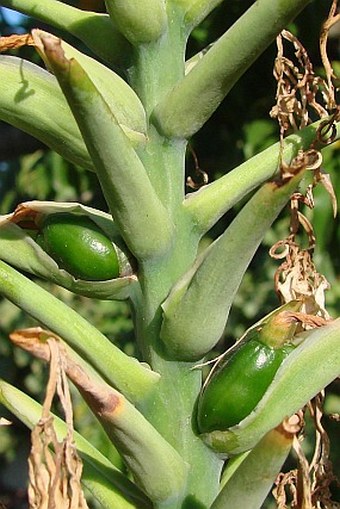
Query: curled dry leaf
[(297, 87), (297, 278), (325, 181), (308, 486), (294, 424), (332, 19)]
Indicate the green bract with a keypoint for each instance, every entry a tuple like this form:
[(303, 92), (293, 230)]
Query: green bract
[(79, 246)]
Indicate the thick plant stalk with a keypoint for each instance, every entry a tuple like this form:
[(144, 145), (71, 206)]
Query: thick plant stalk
[(124, 372), (213, 77)]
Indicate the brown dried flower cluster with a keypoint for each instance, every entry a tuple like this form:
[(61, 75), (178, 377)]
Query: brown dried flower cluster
[(54, 466), (300, 96)]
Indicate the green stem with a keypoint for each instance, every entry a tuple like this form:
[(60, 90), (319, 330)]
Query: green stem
[(124, 372), (156, 67), (163, 160), (172, 411), (178, 389)]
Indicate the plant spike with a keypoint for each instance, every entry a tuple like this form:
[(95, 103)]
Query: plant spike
[(132, 129)]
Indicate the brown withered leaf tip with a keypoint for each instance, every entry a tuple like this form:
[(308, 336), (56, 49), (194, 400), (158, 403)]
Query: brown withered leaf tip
[(24, 214), (52, 47)]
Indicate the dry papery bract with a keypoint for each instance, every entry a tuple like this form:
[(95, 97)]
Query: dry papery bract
[(55, 467)]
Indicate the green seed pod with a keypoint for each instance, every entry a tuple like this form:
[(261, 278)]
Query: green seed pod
[(79, 246), (238, 385), (244, 374)]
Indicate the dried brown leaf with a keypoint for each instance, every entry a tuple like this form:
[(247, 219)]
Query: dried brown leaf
[(326, 182), (333, 17), (15, 41)]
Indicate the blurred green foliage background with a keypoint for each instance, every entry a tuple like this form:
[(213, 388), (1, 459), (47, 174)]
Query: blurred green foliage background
[(240, 128)]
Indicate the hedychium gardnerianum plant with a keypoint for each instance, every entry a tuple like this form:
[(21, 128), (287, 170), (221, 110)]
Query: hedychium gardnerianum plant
[(133, 134)]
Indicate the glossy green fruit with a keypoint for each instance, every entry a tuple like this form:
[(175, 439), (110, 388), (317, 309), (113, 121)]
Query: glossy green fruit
[(238, 385), (79, 246), (240, 379)]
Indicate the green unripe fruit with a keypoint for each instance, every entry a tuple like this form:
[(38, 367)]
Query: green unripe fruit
[(243, 375), (79, 246), (238, 385)]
